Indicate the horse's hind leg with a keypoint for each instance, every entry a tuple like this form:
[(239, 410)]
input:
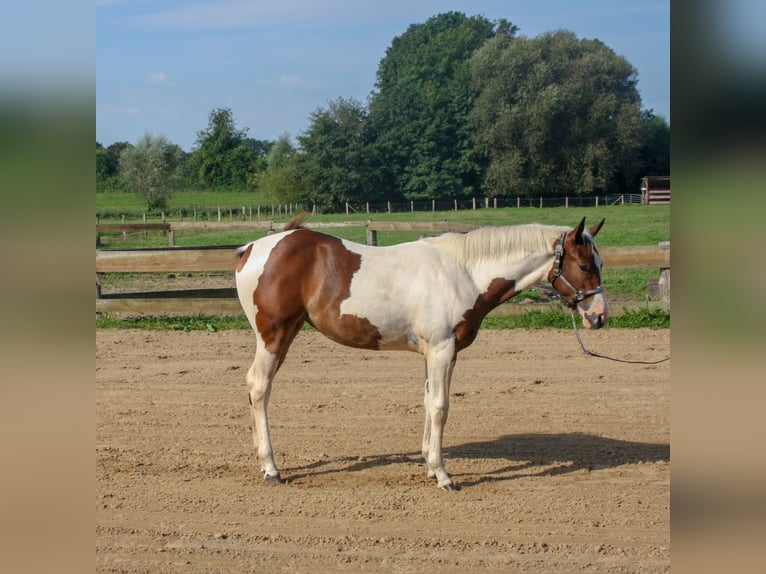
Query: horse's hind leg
[(259, 380)]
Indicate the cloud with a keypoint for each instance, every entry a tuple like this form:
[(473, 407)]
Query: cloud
[(239, 14), (132, 111), (290, 81), (157, 78)]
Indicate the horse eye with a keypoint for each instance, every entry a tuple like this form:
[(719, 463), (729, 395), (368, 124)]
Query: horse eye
[(584, 267)]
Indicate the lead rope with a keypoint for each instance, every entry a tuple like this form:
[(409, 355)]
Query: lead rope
[(592, 354)]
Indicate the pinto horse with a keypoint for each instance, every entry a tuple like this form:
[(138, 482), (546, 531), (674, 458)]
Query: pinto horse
[(427, 296)]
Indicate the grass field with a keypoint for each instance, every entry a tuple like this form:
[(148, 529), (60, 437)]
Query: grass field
[(625, 225)]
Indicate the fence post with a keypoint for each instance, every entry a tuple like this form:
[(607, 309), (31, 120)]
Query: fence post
[(622, 199), (518, 202), (456, 205), (347, 208), (597, 201), (433, 205), (172, 238), (243, 213), (367, 205), (412, 205), (494, 202), (144, 218), (372, 235), (219, 213), (663, 284), (566, 201), (473, 202), (388, 203)]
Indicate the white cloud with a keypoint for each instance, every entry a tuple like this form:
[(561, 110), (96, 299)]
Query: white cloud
[(232, 14), (290, 81), (157, 78), (132, 111)]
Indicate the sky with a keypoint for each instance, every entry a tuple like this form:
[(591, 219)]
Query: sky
[(163, 66)]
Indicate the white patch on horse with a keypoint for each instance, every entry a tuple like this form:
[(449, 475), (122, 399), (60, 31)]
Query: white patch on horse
[(247, 277)]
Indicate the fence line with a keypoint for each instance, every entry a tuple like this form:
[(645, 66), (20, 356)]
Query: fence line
[(221, 258), (270, 211)]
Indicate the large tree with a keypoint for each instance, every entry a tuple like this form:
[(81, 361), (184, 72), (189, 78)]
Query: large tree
[(108, 166), (223, 156), (655, 147), (555, 115), (280, 180), (338, 163), (420, 110), (152, 169)]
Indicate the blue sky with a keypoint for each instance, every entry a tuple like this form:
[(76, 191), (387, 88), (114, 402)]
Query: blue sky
[(162, 66)]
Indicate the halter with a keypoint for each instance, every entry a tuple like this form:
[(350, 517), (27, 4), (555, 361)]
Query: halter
[(557, 274)]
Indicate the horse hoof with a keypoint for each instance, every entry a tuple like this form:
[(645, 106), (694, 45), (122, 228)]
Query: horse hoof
[(450, 487), (275, 479)]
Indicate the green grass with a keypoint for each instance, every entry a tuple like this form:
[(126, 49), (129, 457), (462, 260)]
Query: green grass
[(648, 317), (625, 225)]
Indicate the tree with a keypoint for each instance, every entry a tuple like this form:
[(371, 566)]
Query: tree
[(420, 112), (152, 169), (223, 156), (337, 164), (655, 145), (555, 115), (280, 180), (108, 166)]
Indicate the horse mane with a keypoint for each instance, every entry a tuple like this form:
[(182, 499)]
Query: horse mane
[(487, 243)]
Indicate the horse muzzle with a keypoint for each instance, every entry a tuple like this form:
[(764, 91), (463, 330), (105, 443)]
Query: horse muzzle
[(594, 311)]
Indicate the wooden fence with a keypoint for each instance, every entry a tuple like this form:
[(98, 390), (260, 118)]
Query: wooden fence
[(223, 258)]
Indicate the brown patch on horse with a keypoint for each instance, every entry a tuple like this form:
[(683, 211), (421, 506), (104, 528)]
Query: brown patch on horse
[(243, 256), (306, 278), (499, 291)]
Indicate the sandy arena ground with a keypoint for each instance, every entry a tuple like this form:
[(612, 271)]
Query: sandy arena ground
[(563, 459)]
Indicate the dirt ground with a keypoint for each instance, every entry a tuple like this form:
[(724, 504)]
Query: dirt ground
[(563, 459)]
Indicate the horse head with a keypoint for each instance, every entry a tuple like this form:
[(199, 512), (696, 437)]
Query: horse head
[(576, 274)]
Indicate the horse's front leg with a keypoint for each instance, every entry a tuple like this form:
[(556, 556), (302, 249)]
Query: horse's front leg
[(441, 362), (259, 379)]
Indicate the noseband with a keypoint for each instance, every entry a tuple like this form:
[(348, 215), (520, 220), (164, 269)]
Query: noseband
[(557, 274)]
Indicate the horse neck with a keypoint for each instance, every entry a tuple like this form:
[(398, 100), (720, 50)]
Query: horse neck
[(523, 254)]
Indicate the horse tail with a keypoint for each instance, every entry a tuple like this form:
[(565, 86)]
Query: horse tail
[(241, 250), (296, 222)]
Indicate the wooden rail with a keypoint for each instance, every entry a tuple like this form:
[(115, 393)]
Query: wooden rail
[(223, 258), (166, 259)]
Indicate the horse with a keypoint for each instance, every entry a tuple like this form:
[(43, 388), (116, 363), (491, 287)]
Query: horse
[(428, 296)]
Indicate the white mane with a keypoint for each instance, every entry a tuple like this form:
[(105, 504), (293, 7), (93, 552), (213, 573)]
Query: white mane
[(488, 243)]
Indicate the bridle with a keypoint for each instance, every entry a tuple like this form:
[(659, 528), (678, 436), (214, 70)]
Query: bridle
[(557, 274), (579, 296)]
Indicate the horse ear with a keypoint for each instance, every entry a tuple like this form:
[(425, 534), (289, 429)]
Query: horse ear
[(578, 231), (594, 228)]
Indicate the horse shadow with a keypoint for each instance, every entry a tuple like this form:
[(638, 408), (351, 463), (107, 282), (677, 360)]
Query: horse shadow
[(517, 455)]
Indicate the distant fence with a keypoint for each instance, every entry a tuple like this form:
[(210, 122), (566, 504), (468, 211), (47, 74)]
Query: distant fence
[(222, 258), (259, 212)]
